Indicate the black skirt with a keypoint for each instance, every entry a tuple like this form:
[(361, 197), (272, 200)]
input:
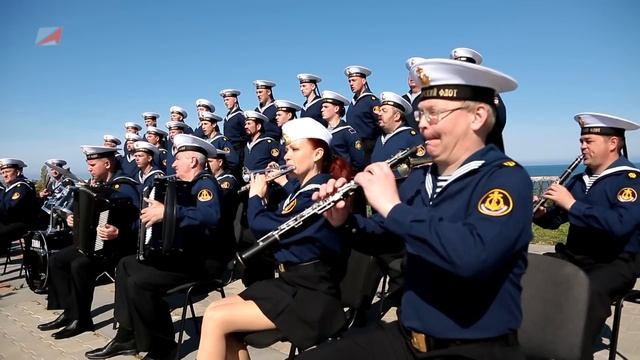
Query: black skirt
[(303, 303)]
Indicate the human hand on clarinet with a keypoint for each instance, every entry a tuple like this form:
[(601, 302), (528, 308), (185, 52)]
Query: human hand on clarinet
[(541, 210), (379, 185), (274, 168), (107, 232), (560, 196), (338, 214), (153, 213)]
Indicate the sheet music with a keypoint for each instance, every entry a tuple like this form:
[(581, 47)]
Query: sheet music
[(102, 221)]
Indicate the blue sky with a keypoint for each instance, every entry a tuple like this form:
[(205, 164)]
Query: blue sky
[(120, 58)]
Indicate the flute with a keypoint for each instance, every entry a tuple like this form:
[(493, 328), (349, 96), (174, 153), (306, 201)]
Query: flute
[(561, 180), (277, 172)]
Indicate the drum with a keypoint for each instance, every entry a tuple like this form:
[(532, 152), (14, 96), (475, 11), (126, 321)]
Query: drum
[(39, 246), (61, 197)]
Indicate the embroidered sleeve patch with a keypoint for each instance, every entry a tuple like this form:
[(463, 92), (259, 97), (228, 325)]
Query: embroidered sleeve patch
[(15, 196), (358, 144), (225, 185), (275, 152), (496, 202), (627, 195), (421, 151), (290, 206), (376, 109), (205, 195)]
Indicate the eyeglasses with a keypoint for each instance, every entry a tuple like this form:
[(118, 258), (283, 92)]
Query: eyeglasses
[(434, 117)]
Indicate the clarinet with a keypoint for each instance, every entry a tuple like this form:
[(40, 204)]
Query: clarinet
[(561, 180), (316, 209)]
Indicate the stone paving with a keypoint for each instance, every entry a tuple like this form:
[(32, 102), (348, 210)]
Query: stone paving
[(21, 311)]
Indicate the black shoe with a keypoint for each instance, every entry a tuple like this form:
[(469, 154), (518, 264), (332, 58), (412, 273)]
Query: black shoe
[(73, 329), (41, 291), (166, 354), (113, 348), (60, 321)]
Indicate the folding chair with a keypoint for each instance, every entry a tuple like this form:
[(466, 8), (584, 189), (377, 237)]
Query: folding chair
[(8, 258), (631, 296)]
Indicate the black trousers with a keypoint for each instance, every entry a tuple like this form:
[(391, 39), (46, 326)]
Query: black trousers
[(10, 232), (139, 305), (72, 279), (383, 341)]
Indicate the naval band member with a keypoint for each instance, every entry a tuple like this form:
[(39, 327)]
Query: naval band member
[(18, 202), (364, 105), (285, 111), (128, 160), (234, 120), (264, 92), (201, 106), (312, 106), (345, 141), (144, 154)]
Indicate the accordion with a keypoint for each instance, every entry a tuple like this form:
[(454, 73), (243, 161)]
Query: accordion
[(160, 238), (92, 208)]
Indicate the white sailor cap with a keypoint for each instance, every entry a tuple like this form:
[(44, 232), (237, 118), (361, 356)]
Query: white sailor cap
[(184, 142), (255, 116), (461, 81), (156, 131), (148, 114), (56, 162), (131, 124), (309, 78), (111, 138), (264, 84), (146, 148), (97, 152), (176, 125), (357, 70), (178, 110), (286, 105), (229, 92), (412, 61), (132, 137), (334, 98), (209, 116), (206, 103), (466, 54), (603, 124), (11, 163), (395, 100), (304, 128), (220, 154)]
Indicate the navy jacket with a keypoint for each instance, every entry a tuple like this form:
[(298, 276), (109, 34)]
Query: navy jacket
[(271, 127), (346, 143), (19, 202), (232, 158), (234, 128), (128, 165), (258, 154), (411, 119), (362, 117), (313, 110)]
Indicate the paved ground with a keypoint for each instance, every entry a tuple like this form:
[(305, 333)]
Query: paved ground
[(21, 310)]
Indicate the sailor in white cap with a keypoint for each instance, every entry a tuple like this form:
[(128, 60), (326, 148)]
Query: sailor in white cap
[(413, 95), (602, 208), (209, 124), (260, 149), (157, 137), (18, 203), (234, 120), (150, 118), (198, 253), (144, 153), (128, 161), (471, 192), (312, 106), (345, 141), (474, 57), (285, 110), (311, 254), (54, 178), (362, 113), (264, 92), (132, 127), (177, 113), (396, 135), (72, 273), (111, 141), (176, 127), (229, 185), (202, 105)]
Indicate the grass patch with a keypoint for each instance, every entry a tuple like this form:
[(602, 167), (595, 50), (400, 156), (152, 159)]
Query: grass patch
[(550, 237)]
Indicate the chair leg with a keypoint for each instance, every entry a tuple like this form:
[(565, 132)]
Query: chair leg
[(613, 344), (6, 261), (187, 302), (22, 262), (292, 352)]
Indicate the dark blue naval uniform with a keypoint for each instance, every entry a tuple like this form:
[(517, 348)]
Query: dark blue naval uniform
[(170, 158), (229, 203), (271, 127), (258, 154), (73, 273), (234, 128), (221, 142), (303, 302), (466, 254), (346, 143), (128, 165), (361, 115), (198, 132), (604, 234), (19, 202), (313, 110), (146, 181), (414, 100), (140, 287), (388, 145)]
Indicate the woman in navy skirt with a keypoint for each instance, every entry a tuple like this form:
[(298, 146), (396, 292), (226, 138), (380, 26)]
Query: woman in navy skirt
[(303, 302)]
